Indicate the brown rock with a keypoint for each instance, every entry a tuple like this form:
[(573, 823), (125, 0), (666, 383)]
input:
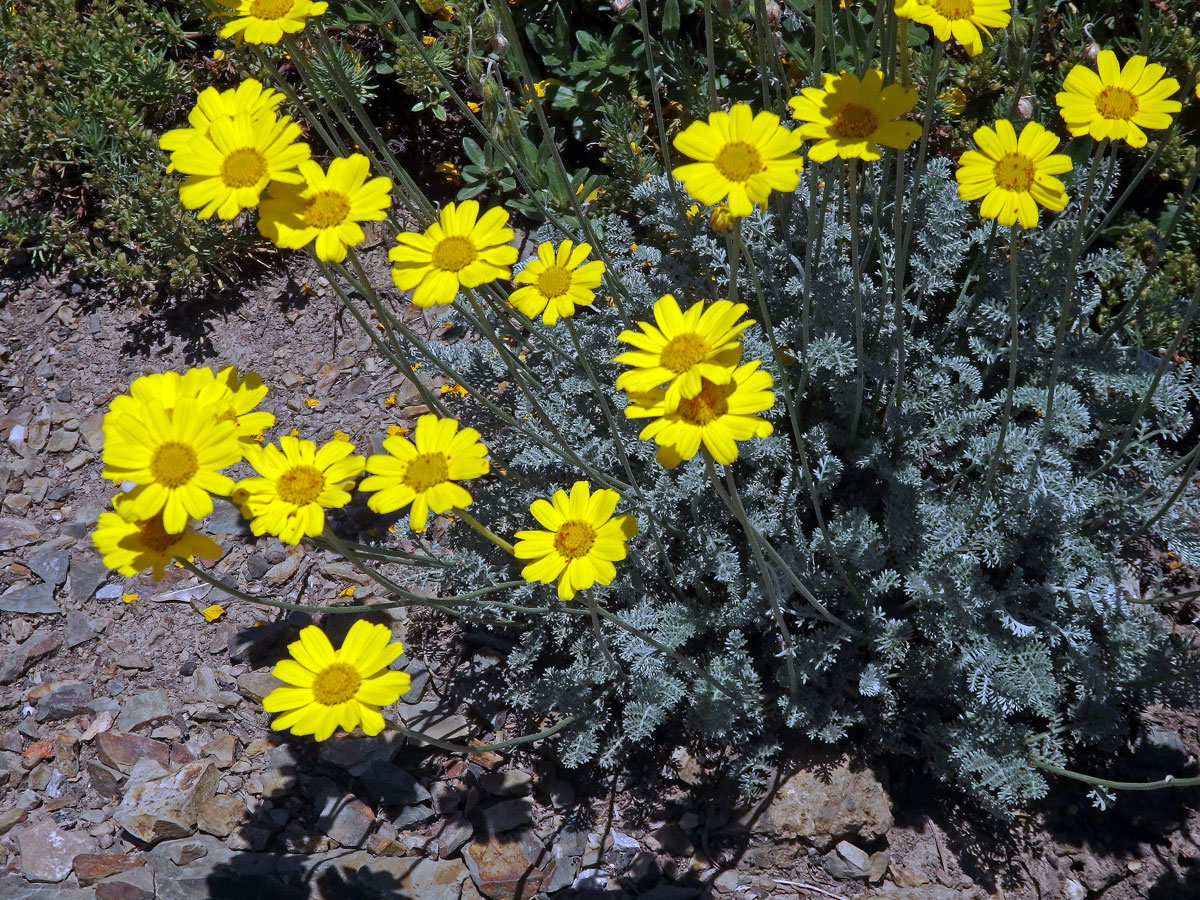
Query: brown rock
[(93, 867), (501, 869), (825, 805), (121, 751), (168, 807), (135, 884), (48, 851), (105, 780), (220, 816)]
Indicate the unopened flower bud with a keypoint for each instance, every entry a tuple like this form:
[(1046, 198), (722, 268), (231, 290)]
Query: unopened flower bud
[(429, 7), (721, 220), (474, 68), (500, 44), (1025, 107), (1091, 51), (619, 6), (774, 13), (490, 89)]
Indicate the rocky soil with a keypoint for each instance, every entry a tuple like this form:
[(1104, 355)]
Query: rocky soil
[(136, 761)]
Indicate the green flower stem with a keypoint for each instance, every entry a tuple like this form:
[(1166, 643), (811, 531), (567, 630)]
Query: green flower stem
[(733, 501), (687, 664), (1014, 315), (1184, 481), (733, 247), (485, 531), (659, 122), (479, 748), (801, 454), (594, 613), (317, 119), (1030, 51), (387, 554), (856, 266), (610, 418), (1168, 782), (518, 54), (710, 56), (1064, 311), (903, 51)]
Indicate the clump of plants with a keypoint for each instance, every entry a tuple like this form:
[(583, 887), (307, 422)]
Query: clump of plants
[(818, 437), (83, 90)]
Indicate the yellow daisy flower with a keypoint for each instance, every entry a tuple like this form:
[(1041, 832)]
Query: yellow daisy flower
[(326, 207), (176, 458), (850, 118), (1118, 102), (327, 688), (230, 167), (717, 417), (266, 21), (234, 398), (958, 19), (556, 282), (582, 541), (249, 97), (742, 156), (1013, 175), (130, 546), (296, 485), (681, 349), (461, 250), (424, 471)]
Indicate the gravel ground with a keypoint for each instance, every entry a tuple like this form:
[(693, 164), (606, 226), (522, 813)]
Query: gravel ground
[(136, 761)]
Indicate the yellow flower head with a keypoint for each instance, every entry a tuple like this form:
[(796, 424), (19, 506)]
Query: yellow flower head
[(231, 166), (326, 207), (1118, 102), (234, 398), (327, 688), (249, 98), (721, 220), (851, 118), (130, 546), (556, 282), (719, 416), (425, 471), (681, 349), (296, 485), (741, 156), (1013, 175), (266, 21), (582, 541), (461, 250), (175, 457), (958, 19)]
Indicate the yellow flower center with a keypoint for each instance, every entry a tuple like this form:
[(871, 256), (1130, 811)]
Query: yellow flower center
[(173, 464), (336, 684), (244, 167), (1015, 172), (684, 351), (427, 470), (326, 209), (155, 537), (300, 485), (554, 281), (574, 538), (854, 122), (1117, 103), (270, 9), (705, 407), (454, 253), (955, 9), (738, 160)]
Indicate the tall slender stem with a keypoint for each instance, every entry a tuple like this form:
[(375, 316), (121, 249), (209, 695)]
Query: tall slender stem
[(485, 531), (856, 266)]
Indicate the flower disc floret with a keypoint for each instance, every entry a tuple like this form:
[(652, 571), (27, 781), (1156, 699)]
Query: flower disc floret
[(297, 482), (581, 542), (175, 457), (461, 250), (425, 472), (327, 688), (557, 282), (1117, 102), (719, 416), (1013, 175), (267, 21), (129, 545), (962, 20), (325, 208), (851, 118), (680, 349), (229, 168), (248, 98), (742, 157)]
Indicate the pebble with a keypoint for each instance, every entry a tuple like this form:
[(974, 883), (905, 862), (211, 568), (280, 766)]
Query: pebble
[(86, 578), (509, 783), (144, 709), (93, 867), (506, 815), (168, 808), (50, 565), (343, 817), (258, 684), (502, 868), (390, 785), (452, 834), (14, 662), (220, 816), (65, 702), (77, 630), (122, 751), (34, 600), (17, 532), (48, 850)]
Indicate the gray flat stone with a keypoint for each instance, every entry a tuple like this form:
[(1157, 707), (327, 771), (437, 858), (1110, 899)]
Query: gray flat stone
[(65, 702), (144, 709), (35, 600), (16, 532), (48, 850), (50, 565), (14, 887), (14, 661), (506, 815), (78, 629), (86, 577), (168, 808), (390, 785), (343, 817)]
